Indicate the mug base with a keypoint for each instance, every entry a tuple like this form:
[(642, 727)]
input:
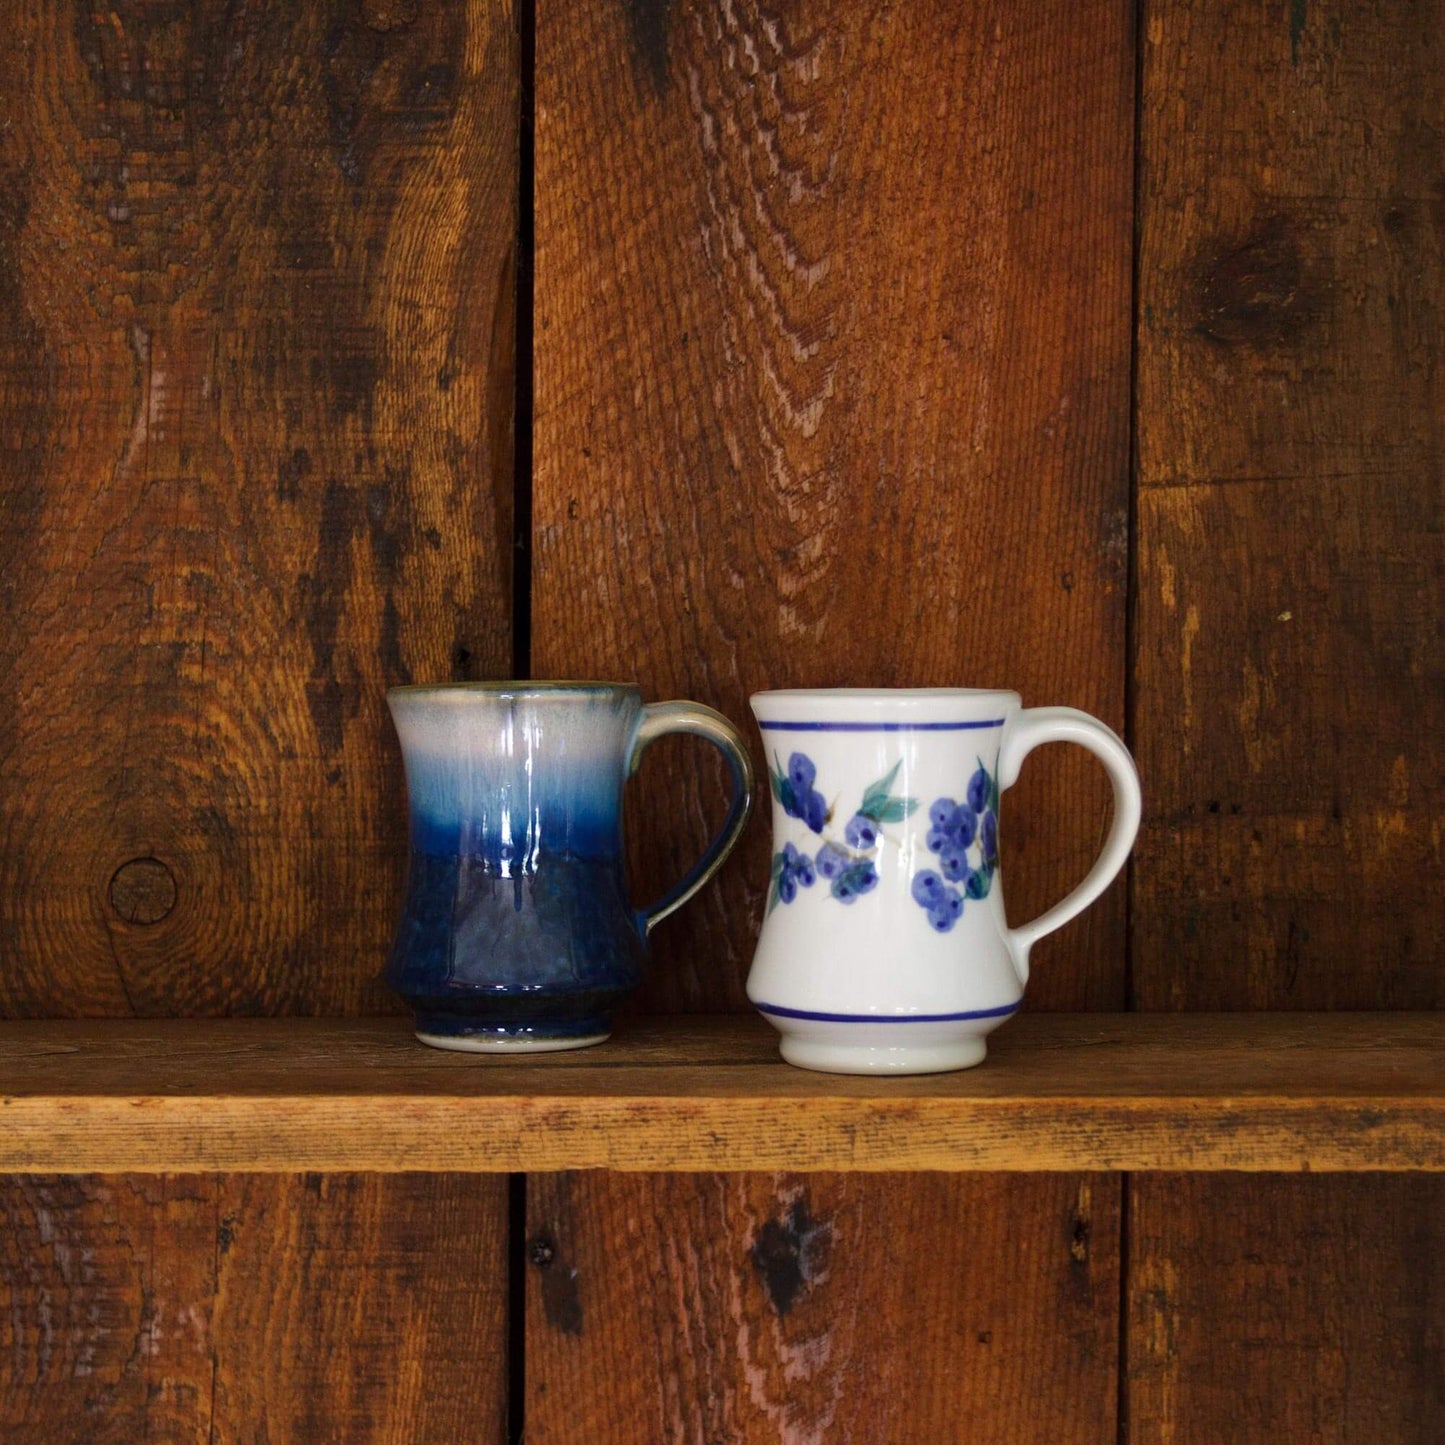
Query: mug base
[(509, 1044), (467, 1034), (881, 1058)]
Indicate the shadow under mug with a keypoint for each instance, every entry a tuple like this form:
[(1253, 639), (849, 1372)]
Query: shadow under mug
[(517, 932)]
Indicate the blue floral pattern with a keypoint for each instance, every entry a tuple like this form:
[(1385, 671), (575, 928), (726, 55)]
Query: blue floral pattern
[(964, 837), (849, 867)]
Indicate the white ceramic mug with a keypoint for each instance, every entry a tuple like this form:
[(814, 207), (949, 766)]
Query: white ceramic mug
[(885, 947)]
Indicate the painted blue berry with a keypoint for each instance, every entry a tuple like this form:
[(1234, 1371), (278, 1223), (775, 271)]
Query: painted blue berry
[(868, 879), (937, 840), (951, 903), (787, 887), (927, 888), (861, 832), (978, 790), (990, 836), (832, 860), (803, 871), (963, 826), (801, 773), (940, 920), (941, 811), (815, 811), (790, 855), (844, 891), (953, 862)]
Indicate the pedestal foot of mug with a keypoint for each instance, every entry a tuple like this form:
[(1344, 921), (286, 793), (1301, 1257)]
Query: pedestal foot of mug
[(469, 1037), (882, 1058)]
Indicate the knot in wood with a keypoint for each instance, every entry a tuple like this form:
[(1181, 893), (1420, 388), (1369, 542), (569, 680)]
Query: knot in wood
[(143, 890), (1256, 293)]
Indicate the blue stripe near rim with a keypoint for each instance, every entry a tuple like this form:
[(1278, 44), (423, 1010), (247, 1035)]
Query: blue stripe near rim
[(883, 727), (824, 1018)]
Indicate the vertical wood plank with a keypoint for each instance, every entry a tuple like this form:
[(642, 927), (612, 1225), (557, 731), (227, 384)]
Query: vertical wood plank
[(832, 370), (354, 1307), (362, 1307), (256, 376), (831, 380), (1290, 679), (1309, 1309), (1289, 712), (821, 1308), (106, 1295), (255, 395)]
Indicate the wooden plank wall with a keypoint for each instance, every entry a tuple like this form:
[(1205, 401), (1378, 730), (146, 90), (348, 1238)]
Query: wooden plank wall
[(835, 315), (832, 384), (256, 340), (1287, 707)]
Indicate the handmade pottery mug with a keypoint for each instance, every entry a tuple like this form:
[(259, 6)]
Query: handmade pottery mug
[(517, 931), (884, 946)]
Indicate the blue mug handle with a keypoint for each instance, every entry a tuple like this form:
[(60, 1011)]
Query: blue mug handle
[(692, 717)]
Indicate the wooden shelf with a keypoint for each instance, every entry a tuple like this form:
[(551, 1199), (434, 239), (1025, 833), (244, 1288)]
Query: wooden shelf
[(1059, 1092)]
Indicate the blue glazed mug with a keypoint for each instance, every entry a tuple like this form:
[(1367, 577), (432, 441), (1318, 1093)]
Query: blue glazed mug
[(517, 932)]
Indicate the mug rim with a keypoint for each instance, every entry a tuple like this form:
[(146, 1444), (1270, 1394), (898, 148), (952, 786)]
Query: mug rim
[(883, 694), (515, 687), (852, 709)]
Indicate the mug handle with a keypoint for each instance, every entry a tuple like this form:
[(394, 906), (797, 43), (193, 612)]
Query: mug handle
[(1030, 728), (692, 717)]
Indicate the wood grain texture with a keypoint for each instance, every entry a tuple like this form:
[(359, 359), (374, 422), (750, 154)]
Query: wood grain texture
[(1289, 704), (240, 1309), (1290, 699), (821, 1309), (1235, 1092), (256, 342), (1310, 1310), (832, 368), (256, 375), (107, 1288), (363, 1307)]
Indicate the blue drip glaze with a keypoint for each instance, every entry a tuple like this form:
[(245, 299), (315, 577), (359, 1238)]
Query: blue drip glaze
[(554, 944), (517, 921)]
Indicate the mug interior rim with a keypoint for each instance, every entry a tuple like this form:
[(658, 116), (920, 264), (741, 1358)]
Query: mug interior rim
[(544, 687), (880, 695)]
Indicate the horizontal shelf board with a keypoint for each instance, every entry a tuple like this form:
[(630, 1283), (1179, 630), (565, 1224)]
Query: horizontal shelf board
[(1058, 1092)]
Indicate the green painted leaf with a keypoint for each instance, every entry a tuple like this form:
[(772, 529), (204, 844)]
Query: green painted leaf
[(783, 791), (773, 895), (876, 792), (895, 810), (978, 884), (778, 860)]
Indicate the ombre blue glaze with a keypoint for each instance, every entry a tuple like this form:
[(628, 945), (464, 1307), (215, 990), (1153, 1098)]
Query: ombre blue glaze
[(517, 928), (517, 922)]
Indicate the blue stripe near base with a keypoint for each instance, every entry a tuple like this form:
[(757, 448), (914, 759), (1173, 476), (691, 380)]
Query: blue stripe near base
[(881, 727), (777, 1011)]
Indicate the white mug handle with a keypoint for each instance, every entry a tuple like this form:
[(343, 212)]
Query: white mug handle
[(1028, 729)]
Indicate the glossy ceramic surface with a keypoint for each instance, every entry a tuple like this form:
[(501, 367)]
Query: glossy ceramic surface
[(517, 931), (885, 945)]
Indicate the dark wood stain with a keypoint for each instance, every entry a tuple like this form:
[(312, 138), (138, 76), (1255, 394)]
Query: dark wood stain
[(1256, 292), (561, 1291), (790, 1254), (648, 23)]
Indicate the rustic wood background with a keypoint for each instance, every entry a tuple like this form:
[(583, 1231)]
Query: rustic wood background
[(1080, 348)]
